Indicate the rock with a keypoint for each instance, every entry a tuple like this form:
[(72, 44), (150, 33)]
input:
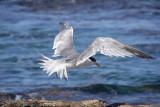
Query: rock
[(136, 106), (9, 96), (63, 103), (58, 103)]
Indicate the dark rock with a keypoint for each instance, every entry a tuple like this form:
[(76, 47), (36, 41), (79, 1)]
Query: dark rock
[(116, 104), (8, 96)]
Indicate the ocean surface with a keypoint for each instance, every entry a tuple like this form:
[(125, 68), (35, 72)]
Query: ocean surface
[(30, 26)]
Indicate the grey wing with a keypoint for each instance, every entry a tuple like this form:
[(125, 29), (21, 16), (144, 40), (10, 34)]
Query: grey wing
[(109, 47), (63, 43)]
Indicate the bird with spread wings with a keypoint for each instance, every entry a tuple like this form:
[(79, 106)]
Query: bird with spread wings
[(63, 45)]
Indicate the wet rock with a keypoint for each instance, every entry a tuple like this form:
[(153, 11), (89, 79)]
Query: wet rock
[(9, 96), (135, 106)]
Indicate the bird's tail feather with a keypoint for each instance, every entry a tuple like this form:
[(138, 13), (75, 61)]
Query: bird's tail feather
[(53, 66)]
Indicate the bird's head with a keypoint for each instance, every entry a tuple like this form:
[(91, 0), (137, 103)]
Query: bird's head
[(65, 25), (94, 61)]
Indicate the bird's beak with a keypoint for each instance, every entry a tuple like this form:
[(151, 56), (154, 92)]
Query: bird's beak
[(97, 64)]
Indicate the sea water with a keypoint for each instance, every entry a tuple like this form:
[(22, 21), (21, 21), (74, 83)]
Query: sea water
[(26, 29)]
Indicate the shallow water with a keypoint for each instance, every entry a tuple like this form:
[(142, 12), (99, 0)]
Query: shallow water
[(25, 29)]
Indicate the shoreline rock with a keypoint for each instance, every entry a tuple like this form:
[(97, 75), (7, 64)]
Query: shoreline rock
[(63, 103)]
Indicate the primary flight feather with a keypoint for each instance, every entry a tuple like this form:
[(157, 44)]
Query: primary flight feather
[(63, 45)]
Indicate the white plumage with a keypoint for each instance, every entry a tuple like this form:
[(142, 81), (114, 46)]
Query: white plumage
[(63, 45)]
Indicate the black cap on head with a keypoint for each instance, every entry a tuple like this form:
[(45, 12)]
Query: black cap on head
[(92, 59), (64, 25)]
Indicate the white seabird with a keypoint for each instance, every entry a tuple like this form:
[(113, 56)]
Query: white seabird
[(63, 45)]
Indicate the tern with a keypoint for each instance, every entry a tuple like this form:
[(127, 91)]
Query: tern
[(63, 46)]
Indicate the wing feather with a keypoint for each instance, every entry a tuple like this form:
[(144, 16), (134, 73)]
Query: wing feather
[(109, 47), (63, 43)]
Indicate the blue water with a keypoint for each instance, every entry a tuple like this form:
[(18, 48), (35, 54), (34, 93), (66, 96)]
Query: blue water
[(25, 29)]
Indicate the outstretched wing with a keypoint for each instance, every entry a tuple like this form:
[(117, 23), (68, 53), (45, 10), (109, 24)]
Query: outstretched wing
[(110, 47), (63, 43)]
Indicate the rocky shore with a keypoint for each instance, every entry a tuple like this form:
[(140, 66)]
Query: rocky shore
[(63, 103)]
